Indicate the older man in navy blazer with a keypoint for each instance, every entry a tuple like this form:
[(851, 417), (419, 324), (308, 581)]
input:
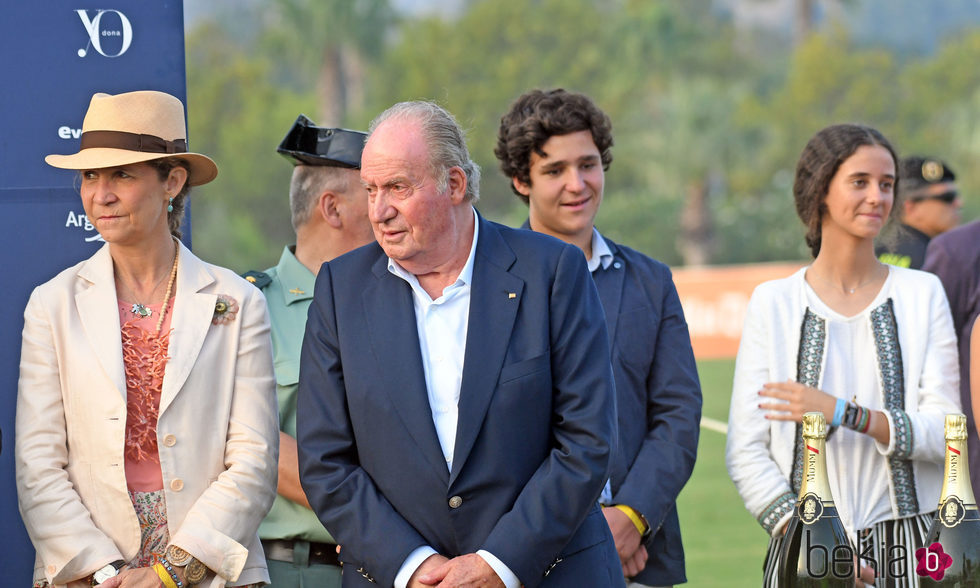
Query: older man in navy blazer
[(555, 147), (456, 402)]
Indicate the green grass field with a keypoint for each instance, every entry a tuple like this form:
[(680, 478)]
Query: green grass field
[(723, 543)]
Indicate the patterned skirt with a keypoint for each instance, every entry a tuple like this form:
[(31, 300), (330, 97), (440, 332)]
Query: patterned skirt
[(151, 510), (888, 547)]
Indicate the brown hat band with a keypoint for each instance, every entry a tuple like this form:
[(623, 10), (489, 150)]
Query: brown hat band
[(131, 142)]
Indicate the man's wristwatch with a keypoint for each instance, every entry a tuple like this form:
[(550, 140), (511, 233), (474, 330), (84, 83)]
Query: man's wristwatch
[(107, 571)]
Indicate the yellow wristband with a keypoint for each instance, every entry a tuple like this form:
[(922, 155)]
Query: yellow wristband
[(634, 516), (164, 575)]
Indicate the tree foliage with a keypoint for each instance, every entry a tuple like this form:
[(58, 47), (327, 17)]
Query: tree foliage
[(333, 38), (238, 118), (708, 120)]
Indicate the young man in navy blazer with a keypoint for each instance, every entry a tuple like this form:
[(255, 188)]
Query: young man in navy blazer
[(555, 146), (456, 410)]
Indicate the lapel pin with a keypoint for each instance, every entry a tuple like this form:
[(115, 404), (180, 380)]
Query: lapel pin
[(296, 291), (511, 295)]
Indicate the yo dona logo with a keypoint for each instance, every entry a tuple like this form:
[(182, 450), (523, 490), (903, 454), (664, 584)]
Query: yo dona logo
[(99, 29), (80, 221)]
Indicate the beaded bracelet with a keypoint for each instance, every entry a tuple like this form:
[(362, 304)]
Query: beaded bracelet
[(164, 576), (170, 570), (838, 412)]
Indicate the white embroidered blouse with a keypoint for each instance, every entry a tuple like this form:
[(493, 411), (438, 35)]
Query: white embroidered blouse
[(898, 356)]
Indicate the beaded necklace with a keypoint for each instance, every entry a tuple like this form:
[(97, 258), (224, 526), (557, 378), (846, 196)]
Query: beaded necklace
[(170, 287)]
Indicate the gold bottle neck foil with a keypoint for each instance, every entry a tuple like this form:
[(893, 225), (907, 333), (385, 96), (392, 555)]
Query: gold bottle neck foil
[(814, 426), (815, 479), (956, 474), (956, 427)]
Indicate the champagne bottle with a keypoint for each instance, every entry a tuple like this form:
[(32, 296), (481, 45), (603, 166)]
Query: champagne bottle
[(952, 553), (815, 550)]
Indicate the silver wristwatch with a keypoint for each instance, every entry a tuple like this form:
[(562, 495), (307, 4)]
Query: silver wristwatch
[(107, 571)]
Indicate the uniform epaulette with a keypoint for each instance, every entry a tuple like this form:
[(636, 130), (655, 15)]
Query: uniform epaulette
[(259, 279)]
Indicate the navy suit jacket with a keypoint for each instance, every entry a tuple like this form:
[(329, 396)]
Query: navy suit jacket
[(536, 417), (954, 256), (658, 396)]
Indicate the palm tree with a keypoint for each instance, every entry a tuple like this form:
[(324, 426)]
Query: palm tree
[(332, 40)]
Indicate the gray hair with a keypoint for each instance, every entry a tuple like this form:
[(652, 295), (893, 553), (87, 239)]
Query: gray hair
[(309, 181), (443, 137)]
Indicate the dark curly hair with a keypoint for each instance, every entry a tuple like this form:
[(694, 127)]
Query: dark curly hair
[(819, 162), (163, 166), (539, 115)]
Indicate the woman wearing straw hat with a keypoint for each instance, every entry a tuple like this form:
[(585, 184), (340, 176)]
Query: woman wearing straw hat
[(146, 439)]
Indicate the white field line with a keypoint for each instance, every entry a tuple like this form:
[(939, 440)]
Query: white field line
[(712, 424)]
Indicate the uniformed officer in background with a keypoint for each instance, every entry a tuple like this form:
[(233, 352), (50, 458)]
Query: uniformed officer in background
[(930, 205), (329, 214)]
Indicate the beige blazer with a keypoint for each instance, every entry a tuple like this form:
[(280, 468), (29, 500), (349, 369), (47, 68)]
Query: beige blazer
[(218, 428)]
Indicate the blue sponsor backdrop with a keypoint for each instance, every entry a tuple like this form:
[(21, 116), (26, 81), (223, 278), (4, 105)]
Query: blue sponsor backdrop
[(56, 55)]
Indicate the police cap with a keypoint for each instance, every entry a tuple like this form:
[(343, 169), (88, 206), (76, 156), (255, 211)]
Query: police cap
[(916, 173), (308, 144)]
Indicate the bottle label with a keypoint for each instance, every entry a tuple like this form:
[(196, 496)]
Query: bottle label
[(811, 508), (952, 512)]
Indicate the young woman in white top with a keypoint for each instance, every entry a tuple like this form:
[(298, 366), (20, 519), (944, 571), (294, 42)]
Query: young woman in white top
[(871, 346)]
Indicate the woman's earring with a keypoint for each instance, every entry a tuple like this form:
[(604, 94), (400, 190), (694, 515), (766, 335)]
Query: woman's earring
[(170, 204)]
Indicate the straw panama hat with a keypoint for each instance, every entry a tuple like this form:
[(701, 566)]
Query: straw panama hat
[(132, 128)]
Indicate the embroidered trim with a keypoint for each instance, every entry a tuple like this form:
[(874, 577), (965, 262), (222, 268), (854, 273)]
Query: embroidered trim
[(777, 509), (884, 327), (902, 432), (809, 363)]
